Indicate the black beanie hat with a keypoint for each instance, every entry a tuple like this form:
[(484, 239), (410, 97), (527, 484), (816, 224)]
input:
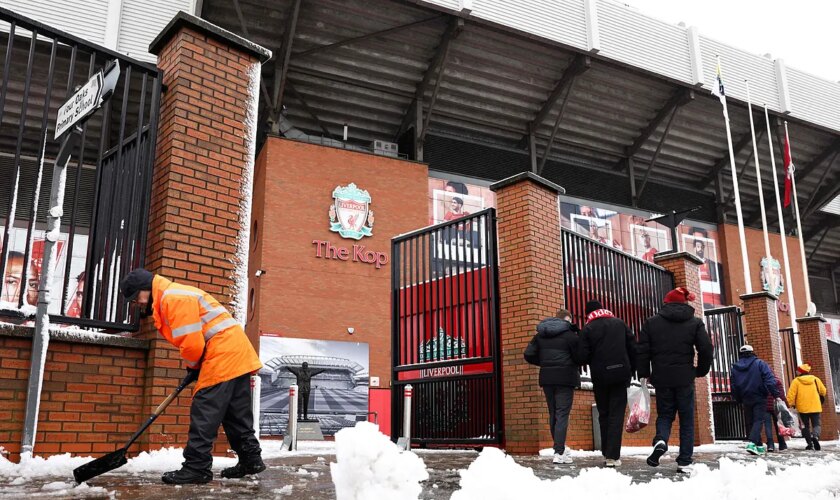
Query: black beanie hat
[(135, 281), (593, 305)]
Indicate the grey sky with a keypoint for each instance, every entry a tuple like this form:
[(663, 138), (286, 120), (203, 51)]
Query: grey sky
[(804, 33)]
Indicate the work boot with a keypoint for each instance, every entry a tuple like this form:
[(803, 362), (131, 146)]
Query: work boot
[(187, 476), (243, 468)]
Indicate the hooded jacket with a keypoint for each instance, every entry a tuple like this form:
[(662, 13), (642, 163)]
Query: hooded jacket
[(804, 394), (608, 346), (555, 350), (194, 322), (667, 343), (752, 380)]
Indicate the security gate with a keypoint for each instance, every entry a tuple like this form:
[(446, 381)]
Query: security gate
[(727, 334), (445, 332)]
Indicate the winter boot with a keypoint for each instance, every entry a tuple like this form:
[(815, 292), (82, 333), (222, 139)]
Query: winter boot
[(244, 468), (659, 449), (187, 476), (816, 444), (810, 444)]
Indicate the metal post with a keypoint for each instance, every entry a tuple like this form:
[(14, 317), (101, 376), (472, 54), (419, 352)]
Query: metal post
[(41, 339), (405, 441), (290, 439), (256, 389)]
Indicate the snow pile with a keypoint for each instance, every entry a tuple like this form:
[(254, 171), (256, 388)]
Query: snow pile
[(164, 460), (495, 476), (370, 466), (36, 467)]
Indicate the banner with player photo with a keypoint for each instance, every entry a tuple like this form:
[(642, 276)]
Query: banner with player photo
[(629, 232), (21, 277)]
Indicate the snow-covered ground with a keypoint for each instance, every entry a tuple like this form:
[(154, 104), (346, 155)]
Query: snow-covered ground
[(363, 464)]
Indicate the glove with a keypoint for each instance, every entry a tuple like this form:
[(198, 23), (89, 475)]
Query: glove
[(192, 374)]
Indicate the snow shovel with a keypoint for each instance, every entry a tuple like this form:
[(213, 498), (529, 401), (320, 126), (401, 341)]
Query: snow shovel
[(117, 459)]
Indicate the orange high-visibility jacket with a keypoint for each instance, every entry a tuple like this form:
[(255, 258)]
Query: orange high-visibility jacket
[(191, 319)]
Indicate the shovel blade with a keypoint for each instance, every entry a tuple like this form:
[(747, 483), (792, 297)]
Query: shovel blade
[(101, 465)]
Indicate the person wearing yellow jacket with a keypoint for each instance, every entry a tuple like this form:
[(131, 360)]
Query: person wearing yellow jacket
[(212, 341), (806, 395)]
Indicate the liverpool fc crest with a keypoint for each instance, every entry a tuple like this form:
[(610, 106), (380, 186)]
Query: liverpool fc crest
[(350, 213)]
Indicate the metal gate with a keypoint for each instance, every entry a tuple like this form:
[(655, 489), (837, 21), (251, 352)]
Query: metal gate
[(109, 177), (789, 340), (727, 334), (445, 332)]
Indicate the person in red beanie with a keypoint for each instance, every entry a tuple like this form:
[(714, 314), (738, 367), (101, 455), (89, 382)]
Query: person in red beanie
[(666, 349)]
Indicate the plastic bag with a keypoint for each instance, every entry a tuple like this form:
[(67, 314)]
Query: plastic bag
[(638, 399), (787, 420)]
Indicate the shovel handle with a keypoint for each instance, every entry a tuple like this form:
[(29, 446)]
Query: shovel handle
[(184, 383)]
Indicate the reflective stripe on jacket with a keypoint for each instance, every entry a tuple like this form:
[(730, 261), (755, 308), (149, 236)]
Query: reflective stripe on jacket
[(192, 320)]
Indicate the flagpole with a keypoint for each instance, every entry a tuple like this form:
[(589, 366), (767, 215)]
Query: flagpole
[(799, 226), (744, 258), (758, 179), (788, 280)]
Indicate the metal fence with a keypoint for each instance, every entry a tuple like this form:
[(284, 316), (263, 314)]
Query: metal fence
[(726, 332), (445, 331), (790, 359), (633, 289), (106, 202)]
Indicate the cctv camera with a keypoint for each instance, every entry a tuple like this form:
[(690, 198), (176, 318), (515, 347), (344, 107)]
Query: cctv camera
[(259, 273), (351, 330)]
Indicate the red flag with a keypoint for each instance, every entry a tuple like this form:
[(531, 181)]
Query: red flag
[(789, 168)]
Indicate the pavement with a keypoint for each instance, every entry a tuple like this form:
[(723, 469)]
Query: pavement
[(308, 477)]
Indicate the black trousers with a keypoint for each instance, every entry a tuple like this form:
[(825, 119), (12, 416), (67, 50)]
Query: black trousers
[(228, 404), (559, 399), (611, 401)]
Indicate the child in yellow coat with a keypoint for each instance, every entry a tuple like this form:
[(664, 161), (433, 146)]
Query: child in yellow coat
[(806, 394)]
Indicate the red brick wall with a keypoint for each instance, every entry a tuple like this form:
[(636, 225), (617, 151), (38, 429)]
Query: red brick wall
[(761, 330), (91, 400), (201, 170), (815, 353), (530, 289), (734, 268), (200, 161), (307, 297)]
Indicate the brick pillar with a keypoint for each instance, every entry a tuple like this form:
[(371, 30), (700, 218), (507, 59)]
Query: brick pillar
[(761, 329), (530, 289), (814, 345), (686, 270), (199, 219)]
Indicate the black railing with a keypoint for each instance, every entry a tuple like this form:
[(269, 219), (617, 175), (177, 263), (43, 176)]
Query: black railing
[(790, 359), (445, 331), (633, 289), (726, 332), (106, 201)]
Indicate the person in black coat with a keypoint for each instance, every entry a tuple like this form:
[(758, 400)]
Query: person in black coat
[(667, 345), (608, 346), (555, 350)]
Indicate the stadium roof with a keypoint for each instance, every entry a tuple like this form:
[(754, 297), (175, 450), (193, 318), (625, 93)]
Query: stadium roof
[(623, 85)]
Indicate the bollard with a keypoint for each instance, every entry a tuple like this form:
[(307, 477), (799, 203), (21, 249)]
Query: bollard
[(290, 440), (405, 441), (256, 386)]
